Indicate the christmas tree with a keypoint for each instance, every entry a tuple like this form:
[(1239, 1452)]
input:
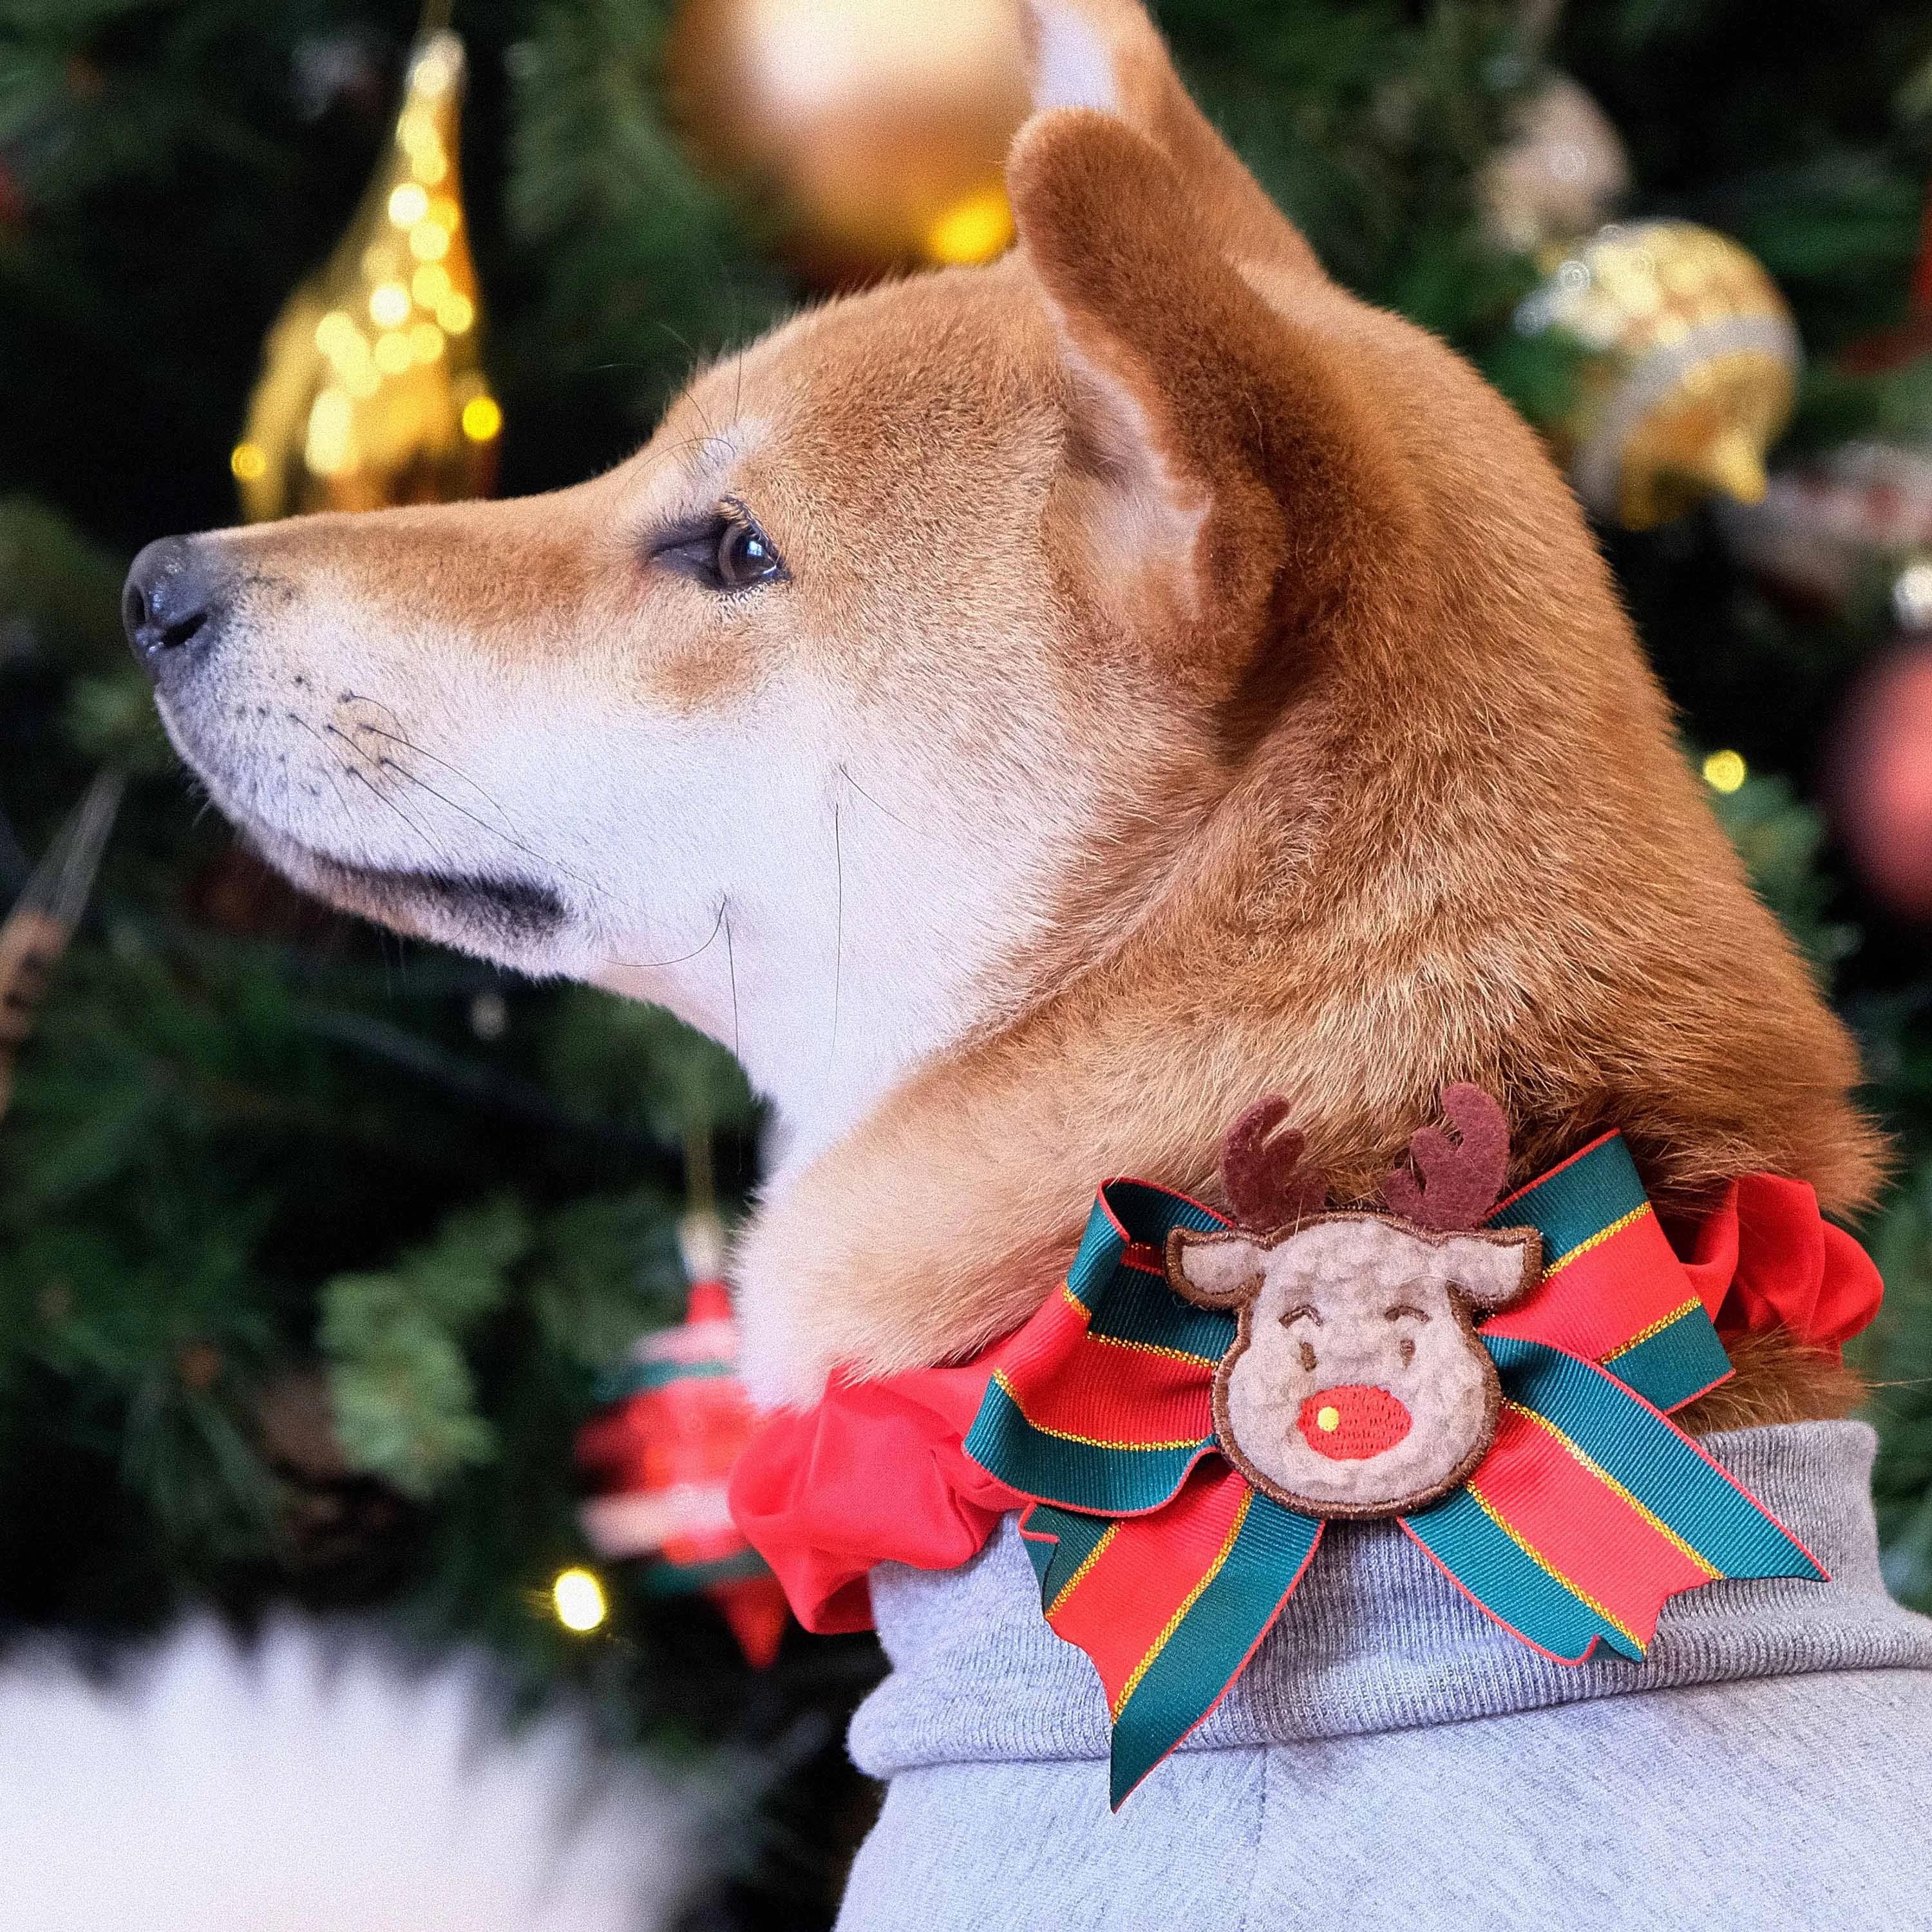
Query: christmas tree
[(314, 1245)]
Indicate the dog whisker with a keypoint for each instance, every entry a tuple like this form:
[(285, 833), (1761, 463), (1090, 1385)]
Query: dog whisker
[(838, 934), (354, 771), (845, 772), (384, 763), (402, 771), (340, 799), (652, 965), (408, 744), (441, 851), (730, 967)]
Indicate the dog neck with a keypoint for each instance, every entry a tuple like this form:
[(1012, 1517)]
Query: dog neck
[(1278, 946)]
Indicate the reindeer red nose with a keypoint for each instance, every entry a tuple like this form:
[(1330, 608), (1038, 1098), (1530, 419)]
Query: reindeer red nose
[(1352, 1422)]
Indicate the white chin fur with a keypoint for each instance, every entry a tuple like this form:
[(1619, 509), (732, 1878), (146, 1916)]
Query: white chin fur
[(315, 1782)]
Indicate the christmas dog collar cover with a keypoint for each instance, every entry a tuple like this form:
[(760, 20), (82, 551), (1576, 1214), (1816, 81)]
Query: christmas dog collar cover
[(1177, 1424)]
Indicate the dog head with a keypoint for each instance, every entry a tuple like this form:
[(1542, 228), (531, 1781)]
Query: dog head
[(798, 721), (1019, 709)]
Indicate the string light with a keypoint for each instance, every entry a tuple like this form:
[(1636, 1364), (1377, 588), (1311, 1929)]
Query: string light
[(388, 304), (248, 461), (578, 1599), (393, 353), (1911, 596), (1725, 771), (329, 450), (481, 418), (975, 229), (409, 202)]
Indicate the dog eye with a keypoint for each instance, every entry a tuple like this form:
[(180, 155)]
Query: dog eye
[(745, 556), (728, 552)]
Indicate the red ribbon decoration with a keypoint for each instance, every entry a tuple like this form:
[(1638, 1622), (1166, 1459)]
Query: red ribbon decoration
[(807, 1493)]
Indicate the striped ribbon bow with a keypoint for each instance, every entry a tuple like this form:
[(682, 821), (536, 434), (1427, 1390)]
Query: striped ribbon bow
[(1156, 1558)]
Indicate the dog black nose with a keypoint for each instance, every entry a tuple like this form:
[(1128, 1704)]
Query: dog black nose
[(168, 606)]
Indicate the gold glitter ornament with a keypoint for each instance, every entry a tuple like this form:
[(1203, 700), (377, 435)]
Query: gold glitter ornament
[(372, 390), (1690, 369), (878, 129)]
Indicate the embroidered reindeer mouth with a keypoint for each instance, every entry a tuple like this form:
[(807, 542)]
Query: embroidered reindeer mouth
[(1356, 1385)]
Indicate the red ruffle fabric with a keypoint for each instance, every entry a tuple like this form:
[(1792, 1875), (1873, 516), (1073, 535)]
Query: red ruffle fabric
[(876, 1472), (1766, 1259)]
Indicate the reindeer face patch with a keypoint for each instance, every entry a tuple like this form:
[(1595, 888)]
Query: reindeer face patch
[(1356, 1385)]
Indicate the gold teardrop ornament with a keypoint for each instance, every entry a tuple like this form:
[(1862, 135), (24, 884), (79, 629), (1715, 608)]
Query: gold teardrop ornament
[(372, 390)]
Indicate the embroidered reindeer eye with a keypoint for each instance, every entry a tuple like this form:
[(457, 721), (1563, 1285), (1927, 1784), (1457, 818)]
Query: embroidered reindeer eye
[(1302, 1311), (1402, 1308)]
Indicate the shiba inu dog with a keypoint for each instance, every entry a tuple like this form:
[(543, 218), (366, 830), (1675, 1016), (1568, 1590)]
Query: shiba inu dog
[(1025, 712)]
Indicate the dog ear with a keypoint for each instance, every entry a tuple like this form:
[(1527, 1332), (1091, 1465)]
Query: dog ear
[(1109, 56), (1229, 475), (1213, 1270)]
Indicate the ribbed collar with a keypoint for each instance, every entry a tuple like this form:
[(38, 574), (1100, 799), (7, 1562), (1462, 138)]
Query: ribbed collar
[(1375, 1639)]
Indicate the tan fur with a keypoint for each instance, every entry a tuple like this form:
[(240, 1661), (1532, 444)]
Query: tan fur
[(1152, 531), (1430, 825)]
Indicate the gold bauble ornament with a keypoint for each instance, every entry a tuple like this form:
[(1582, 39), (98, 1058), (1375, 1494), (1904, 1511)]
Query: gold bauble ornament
[(1690, 369), (372, 390), (878, 129)]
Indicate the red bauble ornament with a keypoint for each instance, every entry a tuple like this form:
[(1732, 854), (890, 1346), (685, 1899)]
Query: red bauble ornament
[(658, 1456), (1883, 779)]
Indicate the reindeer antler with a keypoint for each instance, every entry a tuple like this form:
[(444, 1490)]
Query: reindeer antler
[(1262, 1173), (1460, 1179)]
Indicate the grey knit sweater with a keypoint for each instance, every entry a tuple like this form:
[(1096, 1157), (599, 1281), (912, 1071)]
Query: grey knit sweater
[(1392, 1759)]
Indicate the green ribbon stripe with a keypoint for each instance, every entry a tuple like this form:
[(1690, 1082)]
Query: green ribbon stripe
[(1072, 1539), (1488, 1562), (1102, 1477), (1650, 1459), (1137, 1306), (678, 1579), (1582, 1199), (1130, 1304), (1595, 1191), (640, 1378), (1148, 1214), (1675, 1365), (1201, 1658)]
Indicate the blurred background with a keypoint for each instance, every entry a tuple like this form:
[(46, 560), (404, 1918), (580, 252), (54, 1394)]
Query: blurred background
[(336, 1271)]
